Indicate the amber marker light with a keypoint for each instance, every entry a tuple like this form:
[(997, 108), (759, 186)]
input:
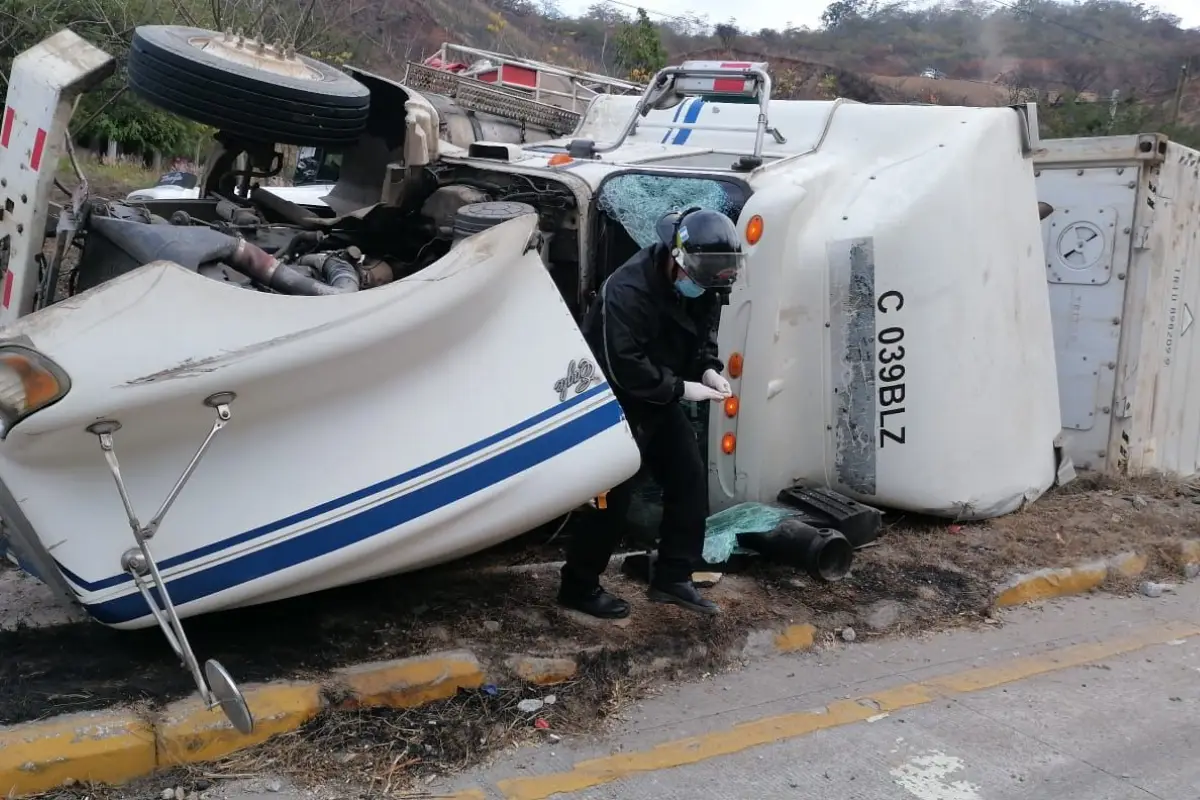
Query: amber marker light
[(754, 229), (735, 365), (731, 406), (728, 444)]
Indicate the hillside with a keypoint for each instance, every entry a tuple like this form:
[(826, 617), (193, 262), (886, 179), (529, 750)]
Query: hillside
[(983, 52)]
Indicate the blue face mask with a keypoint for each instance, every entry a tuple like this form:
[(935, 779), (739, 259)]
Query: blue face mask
[(688, 287)]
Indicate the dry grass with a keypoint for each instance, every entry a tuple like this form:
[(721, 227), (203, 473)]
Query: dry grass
[(112, 180), (945, 91), (921, 576), (1091, 518), (385, 752)]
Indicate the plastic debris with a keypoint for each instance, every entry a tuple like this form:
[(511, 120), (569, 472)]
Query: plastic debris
[(490, 689), (550, 699), (955, 529), (530, 706), (541, 724), (848, 635)]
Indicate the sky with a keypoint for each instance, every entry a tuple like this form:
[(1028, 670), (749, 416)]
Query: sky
[(755, 14)]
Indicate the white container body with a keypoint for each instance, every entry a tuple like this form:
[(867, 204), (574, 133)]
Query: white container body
[(1123, 265)]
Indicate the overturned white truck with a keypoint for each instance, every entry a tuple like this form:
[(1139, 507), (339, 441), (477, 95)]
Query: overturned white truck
[(398, 380)]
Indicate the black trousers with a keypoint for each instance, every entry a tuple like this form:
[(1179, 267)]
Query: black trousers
[(671, 454)]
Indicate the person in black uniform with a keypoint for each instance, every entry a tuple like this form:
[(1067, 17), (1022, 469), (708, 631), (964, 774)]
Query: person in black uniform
[(653, 330)]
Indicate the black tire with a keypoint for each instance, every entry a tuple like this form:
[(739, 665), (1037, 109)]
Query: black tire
[(168, 69)]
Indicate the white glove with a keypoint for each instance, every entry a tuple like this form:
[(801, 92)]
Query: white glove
[(695, 392), (715, 381)]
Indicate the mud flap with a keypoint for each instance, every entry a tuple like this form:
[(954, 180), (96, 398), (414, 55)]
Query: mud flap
[(1064, 467)]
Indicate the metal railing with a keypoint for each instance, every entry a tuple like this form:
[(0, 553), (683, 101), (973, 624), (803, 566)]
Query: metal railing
[(477, 95), (567, 88), (663, 89)]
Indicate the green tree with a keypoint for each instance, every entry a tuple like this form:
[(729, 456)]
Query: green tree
[(639, 47)]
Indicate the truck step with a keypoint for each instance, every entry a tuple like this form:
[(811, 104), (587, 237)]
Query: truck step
[(825, 508)]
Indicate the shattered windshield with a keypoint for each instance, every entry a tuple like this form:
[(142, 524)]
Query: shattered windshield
[(638, 201)]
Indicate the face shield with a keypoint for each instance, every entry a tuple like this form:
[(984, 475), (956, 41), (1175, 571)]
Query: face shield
[(711, 270)]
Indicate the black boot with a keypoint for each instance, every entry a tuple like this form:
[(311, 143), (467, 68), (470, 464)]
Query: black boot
[(682, 594), (596, 603)]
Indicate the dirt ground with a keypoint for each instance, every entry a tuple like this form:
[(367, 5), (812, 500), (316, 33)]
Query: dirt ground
[(945, 91), (920, 575)]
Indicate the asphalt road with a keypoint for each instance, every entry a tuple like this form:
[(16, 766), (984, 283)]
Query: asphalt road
[(1088, 699)]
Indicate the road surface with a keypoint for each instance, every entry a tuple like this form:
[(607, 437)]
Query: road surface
[(1094, 698)]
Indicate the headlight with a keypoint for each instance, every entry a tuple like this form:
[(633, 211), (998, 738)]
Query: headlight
[(29, 382)]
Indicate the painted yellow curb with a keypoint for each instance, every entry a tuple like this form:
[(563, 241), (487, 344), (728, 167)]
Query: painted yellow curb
[(188, 732), (795, 638), (1082, 578), (1049, 583), (1189, 552), (1128, 565), (101, 747), (543, 671), (410, 682), (115, 747)]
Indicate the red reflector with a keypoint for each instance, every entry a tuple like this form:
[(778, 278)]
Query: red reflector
[(39, 146), (8, 280), (6, 132), (729, 85)]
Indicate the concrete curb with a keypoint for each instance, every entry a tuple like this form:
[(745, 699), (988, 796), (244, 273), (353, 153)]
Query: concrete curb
[(1046, 584), (122, 745)]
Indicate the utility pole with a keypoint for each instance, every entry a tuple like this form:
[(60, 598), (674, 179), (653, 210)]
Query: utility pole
[(1183, 78)]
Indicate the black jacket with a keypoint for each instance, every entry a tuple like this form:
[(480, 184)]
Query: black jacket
[(647, 337)]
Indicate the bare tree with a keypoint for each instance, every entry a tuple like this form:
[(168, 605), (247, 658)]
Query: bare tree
[(728, 33), (1080, 74)]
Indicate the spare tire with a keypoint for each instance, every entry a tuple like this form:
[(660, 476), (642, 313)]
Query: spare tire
[(249, 89)]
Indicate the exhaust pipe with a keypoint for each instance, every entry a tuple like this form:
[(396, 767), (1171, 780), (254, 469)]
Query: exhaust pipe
[(825, 554)]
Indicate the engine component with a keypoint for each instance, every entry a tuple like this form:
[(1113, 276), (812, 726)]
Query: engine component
[(337, 272), (825, 554), (262, 267), (443, 205), (240, 217), (377, 273), (258, 91), (825, 508), (477, 217), (285, 209), (115, 246)]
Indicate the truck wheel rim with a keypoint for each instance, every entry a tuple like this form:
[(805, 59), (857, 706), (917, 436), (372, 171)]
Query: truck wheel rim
[(256, 54)]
